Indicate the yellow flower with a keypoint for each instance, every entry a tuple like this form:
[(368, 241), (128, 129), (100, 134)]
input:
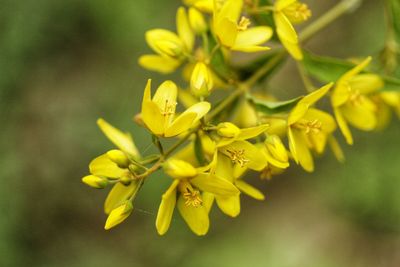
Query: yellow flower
[(236, 35), (201, 82), (95, 181), (309, 128), (288, 12), (351, 103), (171, 48), (188, 183), (158, 113), (226, 169)]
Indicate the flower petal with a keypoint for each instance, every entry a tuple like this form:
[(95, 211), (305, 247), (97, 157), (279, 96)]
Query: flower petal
[(253, 36), (152, 117), (195, 217), (214, 184), (119, 194), (180, 124), (360, 115), (344, 128), (165, 96), (103, 166), (166, 209), (158, 63), (247, 133), (183, 28), (249, 190), (122, 140), (300, 151), (118, 215), (229, 205)]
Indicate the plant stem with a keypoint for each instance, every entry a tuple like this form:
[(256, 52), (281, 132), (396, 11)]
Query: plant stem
[(343, 7)]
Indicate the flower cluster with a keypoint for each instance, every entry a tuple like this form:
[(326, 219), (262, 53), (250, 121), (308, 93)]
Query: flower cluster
[(219, 141)]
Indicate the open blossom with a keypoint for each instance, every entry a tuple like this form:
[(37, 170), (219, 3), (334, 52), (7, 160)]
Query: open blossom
[(235, 33), (158, 113), (309, 128), (186, 193), (350, 100)]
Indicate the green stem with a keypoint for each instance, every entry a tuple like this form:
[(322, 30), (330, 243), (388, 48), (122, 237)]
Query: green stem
[(343, 7)]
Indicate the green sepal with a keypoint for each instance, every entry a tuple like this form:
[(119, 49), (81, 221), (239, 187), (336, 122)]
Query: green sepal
[(273, 107)]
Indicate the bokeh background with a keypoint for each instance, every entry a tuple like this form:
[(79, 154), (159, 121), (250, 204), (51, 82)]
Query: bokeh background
[(63, 64)]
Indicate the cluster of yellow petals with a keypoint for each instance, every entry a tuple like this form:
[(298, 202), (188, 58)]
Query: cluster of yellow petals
[(218, 152)]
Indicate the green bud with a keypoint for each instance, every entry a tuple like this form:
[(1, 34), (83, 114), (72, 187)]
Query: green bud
[(126, 179)]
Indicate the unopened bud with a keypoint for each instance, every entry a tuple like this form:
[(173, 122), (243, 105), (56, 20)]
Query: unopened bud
[(201, 81), (227, 129), (95, 181), (197, 21), (126, 179), (179, 169), (118, 157), (165, 42), (118, 215)]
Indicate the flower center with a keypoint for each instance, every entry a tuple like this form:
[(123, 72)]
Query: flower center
[(244, 23), (169, 108), (192, 198), (311, 126), (237, 156), (356, 98), (297, 12)]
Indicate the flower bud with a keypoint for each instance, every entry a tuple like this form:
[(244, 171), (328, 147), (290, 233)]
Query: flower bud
[(118, 157), (201, 81), (118, 215), (165, 43), (275, 147), (126, 179), (179, 169), (227, 129), (197, 21), (95, 181)]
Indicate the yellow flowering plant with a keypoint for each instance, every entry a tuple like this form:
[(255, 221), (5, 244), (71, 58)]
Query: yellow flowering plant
[(222, 142)]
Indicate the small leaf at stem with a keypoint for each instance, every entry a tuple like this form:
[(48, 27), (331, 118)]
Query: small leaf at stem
[(273, 107)]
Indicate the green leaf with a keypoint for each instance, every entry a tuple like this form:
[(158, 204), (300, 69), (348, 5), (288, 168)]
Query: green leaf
[(394, 9), (273, 107), (327, 69)]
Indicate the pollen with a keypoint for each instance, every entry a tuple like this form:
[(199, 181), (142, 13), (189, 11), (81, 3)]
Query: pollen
[(244, 23), (192, 198), (237, 156), (169, 108), (297, 12), (310, 126)]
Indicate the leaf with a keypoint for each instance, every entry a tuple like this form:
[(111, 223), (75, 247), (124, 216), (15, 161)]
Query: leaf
[(328, 69), (394, 9), (273, 107), (325, 69)]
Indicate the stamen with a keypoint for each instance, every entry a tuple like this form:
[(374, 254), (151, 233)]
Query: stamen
[(297, 12), (192, 198), (310, 126), (237, 156), (356, 98), (169, 108), (243, 24)]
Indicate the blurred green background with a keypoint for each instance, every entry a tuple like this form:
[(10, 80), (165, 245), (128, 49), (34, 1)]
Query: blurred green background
[(63, 64)]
